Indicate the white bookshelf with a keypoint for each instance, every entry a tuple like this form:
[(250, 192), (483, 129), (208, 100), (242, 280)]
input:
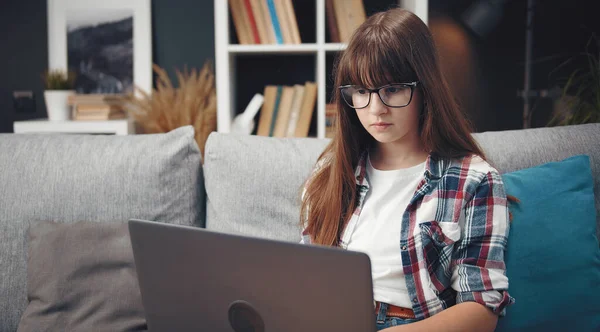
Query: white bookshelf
[(225, 54)]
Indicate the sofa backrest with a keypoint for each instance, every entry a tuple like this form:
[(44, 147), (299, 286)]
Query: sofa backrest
[(98, 178), (253, 184)]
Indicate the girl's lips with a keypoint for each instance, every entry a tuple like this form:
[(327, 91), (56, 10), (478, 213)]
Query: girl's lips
[(381, 126)]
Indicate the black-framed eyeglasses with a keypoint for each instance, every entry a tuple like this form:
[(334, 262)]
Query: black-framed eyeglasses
[(392, 95)]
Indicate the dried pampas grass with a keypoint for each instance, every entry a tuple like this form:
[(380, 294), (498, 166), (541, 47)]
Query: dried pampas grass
[(193, 102)]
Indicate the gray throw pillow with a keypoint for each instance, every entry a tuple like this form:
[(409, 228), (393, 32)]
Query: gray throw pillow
[(81, 277)]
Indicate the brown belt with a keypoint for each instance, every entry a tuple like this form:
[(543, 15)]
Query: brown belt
[(394, 311)]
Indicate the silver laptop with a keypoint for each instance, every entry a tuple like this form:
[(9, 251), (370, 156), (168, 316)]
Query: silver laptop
[(193, 279)]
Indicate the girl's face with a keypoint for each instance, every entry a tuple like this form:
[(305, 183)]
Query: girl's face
[(391, 124)]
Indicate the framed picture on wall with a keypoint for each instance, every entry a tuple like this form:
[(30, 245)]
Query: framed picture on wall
[(107, 43)]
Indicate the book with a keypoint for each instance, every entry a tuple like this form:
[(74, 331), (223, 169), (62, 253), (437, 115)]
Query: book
[(356, 15), (275, 21), (95, 99), (259, 18), (266, 111), (275, 110), (284, 24), (251, 21), (83, 108), (98, 112), (292, 22), (268, 22), (349, 14), (340, 19), (306, 109), (283, 113), (295, 111), (334, 34), (236, 7), (99, 117)]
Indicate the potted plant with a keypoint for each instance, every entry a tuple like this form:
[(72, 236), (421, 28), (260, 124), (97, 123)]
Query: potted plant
[(193, 102), (580, 94), (58, 85)]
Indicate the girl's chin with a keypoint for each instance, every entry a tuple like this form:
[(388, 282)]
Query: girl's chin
[(384, 138), (387, 137)]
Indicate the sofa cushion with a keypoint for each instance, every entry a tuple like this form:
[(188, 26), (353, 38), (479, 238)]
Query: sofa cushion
[(98, 178), (13, 274), (253, 183), (81, 277), (553, 257)]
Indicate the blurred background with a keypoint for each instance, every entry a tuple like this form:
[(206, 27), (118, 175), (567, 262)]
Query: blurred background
[(482, 47)]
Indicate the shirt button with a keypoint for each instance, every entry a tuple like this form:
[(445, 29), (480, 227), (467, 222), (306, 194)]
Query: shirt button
[(403, 248), (415, 300)]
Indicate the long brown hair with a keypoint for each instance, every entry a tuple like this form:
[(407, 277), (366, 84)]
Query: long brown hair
[(394, 46)]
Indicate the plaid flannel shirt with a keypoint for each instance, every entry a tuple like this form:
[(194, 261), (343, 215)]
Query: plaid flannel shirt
[(453, 235)]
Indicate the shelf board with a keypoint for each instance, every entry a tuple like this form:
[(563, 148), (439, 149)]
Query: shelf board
[(334, 47), (284, 49), (118, 127), (273, 48)]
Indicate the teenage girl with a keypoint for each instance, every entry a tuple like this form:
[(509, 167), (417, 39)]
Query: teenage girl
[(404, 181)]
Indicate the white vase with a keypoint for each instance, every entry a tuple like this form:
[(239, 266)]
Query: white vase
[(57, 104)]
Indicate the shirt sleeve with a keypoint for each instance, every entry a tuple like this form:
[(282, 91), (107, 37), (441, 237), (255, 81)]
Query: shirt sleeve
[(305, 239), (479, 270)]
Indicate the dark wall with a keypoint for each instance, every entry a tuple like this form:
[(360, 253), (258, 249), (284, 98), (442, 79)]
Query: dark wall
[(487, 72), (182, 35), (23, 56)]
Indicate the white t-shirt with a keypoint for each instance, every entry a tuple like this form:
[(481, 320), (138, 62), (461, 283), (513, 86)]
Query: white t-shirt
[(377, 232)]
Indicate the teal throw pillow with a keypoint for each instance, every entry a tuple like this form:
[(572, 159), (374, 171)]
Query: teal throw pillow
[(553, 257)]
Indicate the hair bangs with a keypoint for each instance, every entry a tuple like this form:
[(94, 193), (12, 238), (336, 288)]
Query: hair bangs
[(377, 63)]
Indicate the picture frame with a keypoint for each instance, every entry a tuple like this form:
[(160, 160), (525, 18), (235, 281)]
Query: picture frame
[(107, 43)]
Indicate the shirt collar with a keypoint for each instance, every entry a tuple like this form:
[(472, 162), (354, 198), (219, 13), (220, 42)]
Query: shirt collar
[(434, 168)]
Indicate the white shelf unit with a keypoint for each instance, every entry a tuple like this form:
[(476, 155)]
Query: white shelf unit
[(225, 54), (114, 127)]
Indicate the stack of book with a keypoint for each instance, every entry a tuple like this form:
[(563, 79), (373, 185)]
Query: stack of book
[(265, 21), (330, 115), (287, 110), (343, 17), (90, 107)]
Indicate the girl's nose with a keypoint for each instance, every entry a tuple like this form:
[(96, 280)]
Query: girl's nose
[(376, 106)]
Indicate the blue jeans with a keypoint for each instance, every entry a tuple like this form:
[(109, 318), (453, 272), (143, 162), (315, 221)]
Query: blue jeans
[(382, 321)]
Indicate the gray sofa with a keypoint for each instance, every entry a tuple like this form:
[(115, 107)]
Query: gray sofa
[(95, 178), (248, 184)]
